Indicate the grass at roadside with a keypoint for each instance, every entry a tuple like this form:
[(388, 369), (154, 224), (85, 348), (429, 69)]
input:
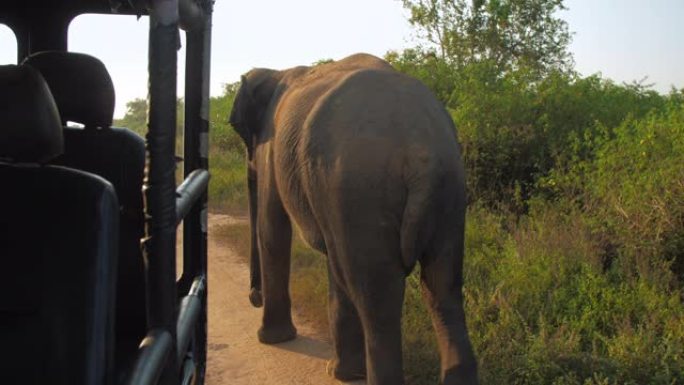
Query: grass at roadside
[(540, 309), (228, 187)]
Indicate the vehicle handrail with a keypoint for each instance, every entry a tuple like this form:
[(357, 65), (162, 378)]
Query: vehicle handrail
[(153, 354), (188, 315), (189, 192)]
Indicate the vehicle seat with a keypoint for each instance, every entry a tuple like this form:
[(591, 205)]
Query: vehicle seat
[(84, 93), (58, 247)]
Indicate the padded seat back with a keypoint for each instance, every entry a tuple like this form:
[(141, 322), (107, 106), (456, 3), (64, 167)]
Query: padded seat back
[(58, 248), (84, 93)]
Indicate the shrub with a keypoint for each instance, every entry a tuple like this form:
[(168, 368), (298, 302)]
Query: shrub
[(631, 188), (227, 165), (541, 310)]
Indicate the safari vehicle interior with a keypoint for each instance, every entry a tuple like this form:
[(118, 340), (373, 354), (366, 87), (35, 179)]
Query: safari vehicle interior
[(89, 214)]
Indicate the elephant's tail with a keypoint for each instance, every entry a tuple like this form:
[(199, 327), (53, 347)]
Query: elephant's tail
[(415, 226)]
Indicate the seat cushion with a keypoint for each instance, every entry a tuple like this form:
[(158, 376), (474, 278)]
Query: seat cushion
[(118, 155), (58, 248)]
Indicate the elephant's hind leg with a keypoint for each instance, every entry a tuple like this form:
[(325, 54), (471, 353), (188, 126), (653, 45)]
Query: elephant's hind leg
[(349, 362), (441, 278), (275, 237), (379, 296)]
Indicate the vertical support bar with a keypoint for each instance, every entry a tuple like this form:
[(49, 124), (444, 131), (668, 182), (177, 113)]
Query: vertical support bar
[(49, 31), (196, 149), (196, 153), (160, 184)]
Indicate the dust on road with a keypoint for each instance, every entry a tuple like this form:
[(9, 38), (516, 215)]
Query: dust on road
[(235, 356)]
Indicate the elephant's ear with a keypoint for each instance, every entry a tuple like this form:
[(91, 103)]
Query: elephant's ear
[(251, 103), (240, 112)]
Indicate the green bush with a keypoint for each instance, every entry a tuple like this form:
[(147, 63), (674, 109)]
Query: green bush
[(514, 129), (516, 126), (494, 116), (541, 311), (635, 188), (631, 187), (227, 164)]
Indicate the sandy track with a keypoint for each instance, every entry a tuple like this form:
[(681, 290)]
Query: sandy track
[(235, 357)]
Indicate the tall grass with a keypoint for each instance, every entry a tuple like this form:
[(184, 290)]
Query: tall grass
[(541, 310), (228, 187)]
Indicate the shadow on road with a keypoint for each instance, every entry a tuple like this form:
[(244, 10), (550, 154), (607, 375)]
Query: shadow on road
[(308, 346)]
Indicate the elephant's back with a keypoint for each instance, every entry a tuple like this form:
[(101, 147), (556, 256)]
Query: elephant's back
[(373, 136), (370, 113), (354, 147)]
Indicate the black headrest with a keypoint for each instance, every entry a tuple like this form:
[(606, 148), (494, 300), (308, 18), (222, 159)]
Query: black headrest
[(30, 129), (81, 85)]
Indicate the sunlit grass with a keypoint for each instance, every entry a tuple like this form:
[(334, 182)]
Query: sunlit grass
[(228, 186)]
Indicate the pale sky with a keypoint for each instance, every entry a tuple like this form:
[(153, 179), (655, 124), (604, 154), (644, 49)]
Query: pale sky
[(625, 40)]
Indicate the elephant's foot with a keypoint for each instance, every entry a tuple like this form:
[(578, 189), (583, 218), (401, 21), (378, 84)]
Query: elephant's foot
[(277, 334), (255, 298), (345, 373)]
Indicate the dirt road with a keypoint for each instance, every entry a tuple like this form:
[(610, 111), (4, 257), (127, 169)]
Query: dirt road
[(235, 357)]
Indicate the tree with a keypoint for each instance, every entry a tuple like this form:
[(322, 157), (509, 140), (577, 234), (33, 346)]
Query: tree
[(508, 33), (432, 70), (223, 137), (135, 117)]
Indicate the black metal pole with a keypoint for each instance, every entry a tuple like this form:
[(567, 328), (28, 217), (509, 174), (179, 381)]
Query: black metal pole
[(197, 67), (196, 153), (160, 188), (196, 129)]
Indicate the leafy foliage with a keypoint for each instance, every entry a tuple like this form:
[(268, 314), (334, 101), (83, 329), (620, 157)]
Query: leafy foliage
[(510, 34), (136, 116), (227, 190), (228, 187), (632, 187), (515, 127)]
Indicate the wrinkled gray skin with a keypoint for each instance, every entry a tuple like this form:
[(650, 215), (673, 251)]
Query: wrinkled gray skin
[(364, 161)]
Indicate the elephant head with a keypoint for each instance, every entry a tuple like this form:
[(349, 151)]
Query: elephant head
[(247, 118), (257, 88)]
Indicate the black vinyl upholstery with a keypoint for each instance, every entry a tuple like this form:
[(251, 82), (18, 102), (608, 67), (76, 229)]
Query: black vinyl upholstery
[(116, 154), (80, 85), (33, 137), (58, 250)]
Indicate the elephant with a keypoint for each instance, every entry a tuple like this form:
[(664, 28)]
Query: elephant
[(364, 162)]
